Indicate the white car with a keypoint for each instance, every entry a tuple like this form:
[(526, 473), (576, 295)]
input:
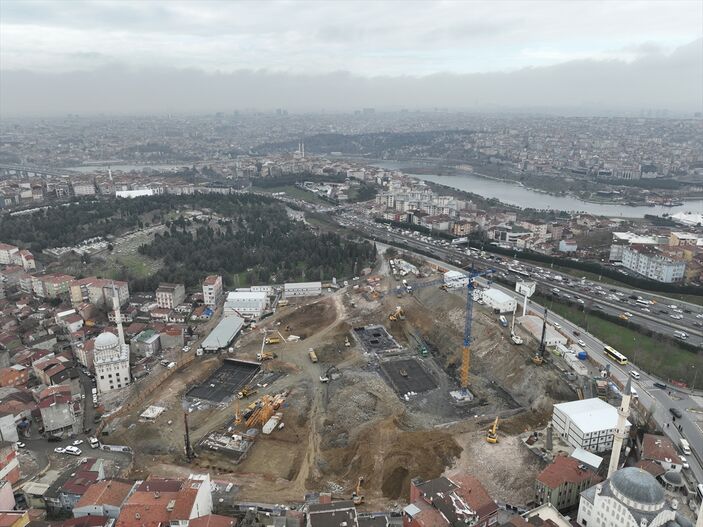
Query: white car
[(77, 442), (59, 450), (556, 325), (20, 444), (582, 343), (684, 462), (72, 450), (645, 309), (699, 315), (628, 314)]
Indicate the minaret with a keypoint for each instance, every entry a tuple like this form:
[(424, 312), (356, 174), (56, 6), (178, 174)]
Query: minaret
[(621, 430), (118, 316), (302, 149)]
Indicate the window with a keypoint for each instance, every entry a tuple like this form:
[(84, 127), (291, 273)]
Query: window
[(102, 377)]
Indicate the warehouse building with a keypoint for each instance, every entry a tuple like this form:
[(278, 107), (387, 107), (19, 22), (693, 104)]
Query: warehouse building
[(496, 299), (247, 304), (223, 334), (589, 424), (302, 289)]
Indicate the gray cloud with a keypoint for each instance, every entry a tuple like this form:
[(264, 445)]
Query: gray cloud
[(672, 81)]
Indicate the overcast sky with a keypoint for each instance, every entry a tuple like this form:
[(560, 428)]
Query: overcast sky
[(222, 50)]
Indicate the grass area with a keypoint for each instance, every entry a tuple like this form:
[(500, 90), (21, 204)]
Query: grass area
[(659, 357), (293, 192)]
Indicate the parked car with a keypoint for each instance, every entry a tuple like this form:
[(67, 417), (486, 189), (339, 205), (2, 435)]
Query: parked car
[(72, 450), (20, 444), (77, 442), (59, 450)]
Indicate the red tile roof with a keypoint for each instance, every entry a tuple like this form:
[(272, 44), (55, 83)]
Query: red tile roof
[(565, 470), (107, 492), (659, 448), (213, 520)]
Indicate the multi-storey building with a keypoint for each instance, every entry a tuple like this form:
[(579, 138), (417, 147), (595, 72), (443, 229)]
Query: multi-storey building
[(169, 296), (562, 482), (588, 424), (653, 264), (212, 290)]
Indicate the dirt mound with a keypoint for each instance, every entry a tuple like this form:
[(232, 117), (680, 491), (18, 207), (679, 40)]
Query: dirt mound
[(307, 320), (387, 457)]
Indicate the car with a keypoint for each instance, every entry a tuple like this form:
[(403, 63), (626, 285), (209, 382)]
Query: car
[(676, 412), (59, 450), (660, 385), (628, 314), (582, 343), (72, 450), (77, 442), (684, 462), (676, 317), (577, 332), (699, 315), (20, 444), (557, 325), (645, 309)]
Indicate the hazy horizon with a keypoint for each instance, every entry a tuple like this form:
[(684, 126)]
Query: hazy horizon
[(113, 58)]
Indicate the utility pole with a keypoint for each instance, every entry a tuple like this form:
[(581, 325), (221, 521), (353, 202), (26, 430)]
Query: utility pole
[(188, 448)]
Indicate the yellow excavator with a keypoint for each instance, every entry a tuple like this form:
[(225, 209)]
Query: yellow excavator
[(492, 435), (398, 314), (357, 498)]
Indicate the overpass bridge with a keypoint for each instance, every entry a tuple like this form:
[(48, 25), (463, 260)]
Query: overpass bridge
[(25, 171)]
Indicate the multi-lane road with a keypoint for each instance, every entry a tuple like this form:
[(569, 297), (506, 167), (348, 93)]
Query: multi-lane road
[(659, 314)]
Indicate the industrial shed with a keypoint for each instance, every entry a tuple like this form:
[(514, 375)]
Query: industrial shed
[(223, 334)]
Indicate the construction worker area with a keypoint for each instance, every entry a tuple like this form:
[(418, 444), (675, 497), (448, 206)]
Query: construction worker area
[(357, 391)]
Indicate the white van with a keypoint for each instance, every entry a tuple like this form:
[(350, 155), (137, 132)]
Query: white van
[(634, 374)]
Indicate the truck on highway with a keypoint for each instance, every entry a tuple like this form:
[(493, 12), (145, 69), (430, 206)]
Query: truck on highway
[(682, 335), (685, 447)]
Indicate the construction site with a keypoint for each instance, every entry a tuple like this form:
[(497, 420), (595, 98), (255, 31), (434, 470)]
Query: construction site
[(375, 382)]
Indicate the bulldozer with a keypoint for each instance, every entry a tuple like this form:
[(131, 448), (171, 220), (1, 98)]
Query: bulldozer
[(398, 314), (357, 498), (492, 434)]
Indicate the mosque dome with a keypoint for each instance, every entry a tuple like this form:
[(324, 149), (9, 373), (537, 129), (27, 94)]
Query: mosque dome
[(638, 486), (106, 340)]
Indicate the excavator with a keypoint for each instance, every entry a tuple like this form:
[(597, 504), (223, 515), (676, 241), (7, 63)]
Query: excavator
[(398, 314), (492, 435), (357, 498), (538, 357)]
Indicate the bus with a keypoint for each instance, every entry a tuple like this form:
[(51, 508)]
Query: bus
[(615, 355), (641, 301)]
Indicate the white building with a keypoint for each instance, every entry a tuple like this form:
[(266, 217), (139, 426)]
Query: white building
[(588, 424), (212, 290), (247, 304), (653, 264), (455, 279), (111, 361), (111, 357), (632, 497), (302, 289), (567, 246), (496, 299)]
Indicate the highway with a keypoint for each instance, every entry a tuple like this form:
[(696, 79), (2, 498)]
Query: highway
[(610, 299)]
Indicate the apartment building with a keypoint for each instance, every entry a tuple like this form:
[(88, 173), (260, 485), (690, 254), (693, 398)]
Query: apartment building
[(653, 264), (562, 482), (169, 296), (212, 290)]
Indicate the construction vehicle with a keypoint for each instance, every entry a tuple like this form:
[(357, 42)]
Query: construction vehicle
[(492, 435), (346, 342), (421, 348), (538, 357), (272, 340), (312, 355), (266, 355), (398, 314), (246, 392), (466, 350), (357, 498), (403, 373)]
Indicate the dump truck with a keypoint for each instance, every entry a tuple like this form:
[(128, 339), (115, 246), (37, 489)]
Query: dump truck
[(312, 355), (272, 340), (246, 392), (265, 356)]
